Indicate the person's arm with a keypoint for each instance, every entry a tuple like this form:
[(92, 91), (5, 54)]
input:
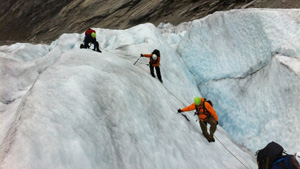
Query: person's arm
[(158, 60), (146, 55), (211, 111), (189, 108)]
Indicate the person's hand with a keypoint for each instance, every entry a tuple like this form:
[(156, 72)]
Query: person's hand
[(217, 122), (142, 55), (179, 110)]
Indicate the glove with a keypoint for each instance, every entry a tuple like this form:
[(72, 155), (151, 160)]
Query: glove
[(217, 122), (142, 55), (179, 110)]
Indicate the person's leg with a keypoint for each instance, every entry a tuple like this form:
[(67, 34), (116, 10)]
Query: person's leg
[(151, 69), (158, 73), (204, 128), (86, 42), (213, 126), (96, 46)]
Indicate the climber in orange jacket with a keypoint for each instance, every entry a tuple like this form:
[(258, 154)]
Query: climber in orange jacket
[(206, 115), (154, 62)]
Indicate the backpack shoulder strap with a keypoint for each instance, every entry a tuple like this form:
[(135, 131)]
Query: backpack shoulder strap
[(205, 111)]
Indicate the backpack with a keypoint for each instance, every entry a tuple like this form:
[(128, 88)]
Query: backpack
[(267, 156), (205, 110), (208, 101)]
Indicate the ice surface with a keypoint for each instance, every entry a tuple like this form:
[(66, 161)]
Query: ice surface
[(65, 107), (247, 62)]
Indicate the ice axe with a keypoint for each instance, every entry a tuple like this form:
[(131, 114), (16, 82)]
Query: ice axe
[(137, 60), (184, 116)]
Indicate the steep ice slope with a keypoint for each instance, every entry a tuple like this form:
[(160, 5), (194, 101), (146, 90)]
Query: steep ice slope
[(247, 62)]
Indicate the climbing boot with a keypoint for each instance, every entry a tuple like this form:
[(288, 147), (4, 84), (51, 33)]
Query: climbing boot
[(152, 74), (212, 138), (208, 138)]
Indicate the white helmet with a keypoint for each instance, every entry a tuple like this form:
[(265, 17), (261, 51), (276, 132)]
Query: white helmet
[(154, 57)]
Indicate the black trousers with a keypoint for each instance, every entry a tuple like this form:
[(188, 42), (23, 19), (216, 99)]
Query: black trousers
[(157, 71), (88, 39)]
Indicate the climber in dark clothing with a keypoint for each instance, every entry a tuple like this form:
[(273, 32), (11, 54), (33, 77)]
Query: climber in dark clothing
[(154, 63), (90, 37)]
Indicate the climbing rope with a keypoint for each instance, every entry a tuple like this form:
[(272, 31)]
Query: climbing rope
[(173, 94), (226, 148), (206, 127), (199, 120), (116, 54)]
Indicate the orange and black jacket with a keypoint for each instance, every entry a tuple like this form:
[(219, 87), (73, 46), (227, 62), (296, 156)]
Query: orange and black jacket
[(202, 113), (155, 63)]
